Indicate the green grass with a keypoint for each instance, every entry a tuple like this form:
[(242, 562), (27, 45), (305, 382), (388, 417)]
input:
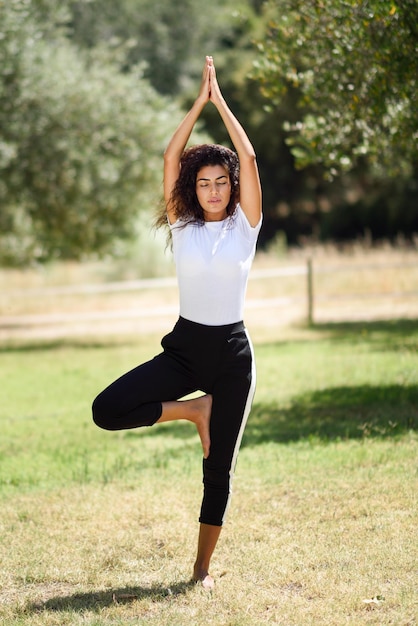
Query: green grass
[(99, 528)]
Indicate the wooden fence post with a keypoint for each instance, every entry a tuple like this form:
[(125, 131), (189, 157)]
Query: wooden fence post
[(310, 292)]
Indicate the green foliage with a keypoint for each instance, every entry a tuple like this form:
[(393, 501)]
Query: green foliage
[(354, 66), (170, 38), (80, 143), (83, 121)]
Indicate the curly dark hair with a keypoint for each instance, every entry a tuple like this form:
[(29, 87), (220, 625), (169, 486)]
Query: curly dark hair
[(184, 199)]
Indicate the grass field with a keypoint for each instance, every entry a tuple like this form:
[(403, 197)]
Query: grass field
[(99, 529)]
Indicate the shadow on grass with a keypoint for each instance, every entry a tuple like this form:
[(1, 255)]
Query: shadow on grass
[(96, 601), (346, 411), (336, 413), (325, 414)]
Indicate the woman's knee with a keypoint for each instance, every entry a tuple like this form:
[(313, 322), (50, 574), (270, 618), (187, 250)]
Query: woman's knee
[(100, 413)]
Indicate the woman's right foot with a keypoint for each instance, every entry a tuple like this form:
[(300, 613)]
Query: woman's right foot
[(202, 421), (196, 410)]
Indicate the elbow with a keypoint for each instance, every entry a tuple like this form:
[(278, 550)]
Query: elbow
[(170, 156), (250, 156)]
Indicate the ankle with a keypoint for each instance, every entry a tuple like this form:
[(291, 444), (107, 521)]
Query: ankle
[(199, 408), (203, 577), (192, 414), (200, 572)]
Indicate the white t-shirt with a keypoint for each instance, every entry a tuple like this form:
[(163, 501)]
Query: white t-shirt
[(213, 261)]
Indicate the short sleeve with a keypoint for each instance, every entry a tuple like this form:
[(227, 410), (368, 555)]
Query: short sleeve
[(249, 232)]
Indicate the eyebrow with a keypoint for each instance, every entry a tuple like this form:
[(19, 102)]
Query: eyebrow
[(218, 178)]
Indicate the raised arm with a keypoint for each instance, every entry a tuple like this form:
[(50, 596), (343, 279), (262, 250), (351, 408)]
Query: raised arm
[(179, 141), (250, 188)]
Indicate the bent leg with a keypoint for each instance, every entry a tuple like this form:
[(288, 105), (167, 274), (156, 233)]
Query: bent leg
[(135, 399)]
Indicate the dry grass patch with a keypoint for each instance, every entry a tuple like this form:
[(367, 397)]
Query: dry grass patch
[(354, 284), (307, 545)]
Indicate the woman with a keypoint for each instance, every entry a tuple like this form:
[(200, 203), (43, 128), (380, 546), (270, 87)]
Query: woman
[(213, 208)]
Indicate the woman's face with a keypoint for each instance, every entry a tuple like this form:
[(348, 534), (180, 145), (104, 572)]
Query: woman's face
[(213, 190)]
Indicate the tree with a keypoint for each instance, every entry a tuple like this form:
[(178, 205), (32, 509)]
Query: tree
[(170, 38), (353, 66), (80, 143)]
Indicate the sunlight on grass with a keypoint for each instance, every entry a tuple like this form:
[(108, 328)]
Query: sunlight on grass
[(100, 528)]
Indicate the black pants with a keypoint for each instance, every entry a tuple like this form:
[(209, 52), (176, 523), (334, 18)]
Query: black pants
[(213, 359)]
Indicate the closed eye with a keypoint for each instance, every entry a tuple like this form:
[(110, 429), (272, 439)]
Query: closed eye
[(204, 182)]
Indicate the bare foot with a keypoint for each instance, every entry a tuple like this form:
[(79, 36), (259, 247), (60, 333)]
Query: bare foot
[(204, 406), (208, 583), (205, 580), (196, 410)]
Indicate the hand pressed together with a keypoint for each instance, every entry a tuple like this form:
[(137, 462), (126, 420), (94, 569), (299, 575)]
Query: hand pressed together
[(209, 87)]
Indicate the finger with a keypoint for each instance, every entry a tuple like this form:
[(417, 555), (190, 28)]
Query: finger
[(212, 74), (205, 74)]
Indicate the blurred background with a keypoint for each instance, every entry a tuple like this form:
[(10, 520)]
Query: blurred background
[(91, 91)]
